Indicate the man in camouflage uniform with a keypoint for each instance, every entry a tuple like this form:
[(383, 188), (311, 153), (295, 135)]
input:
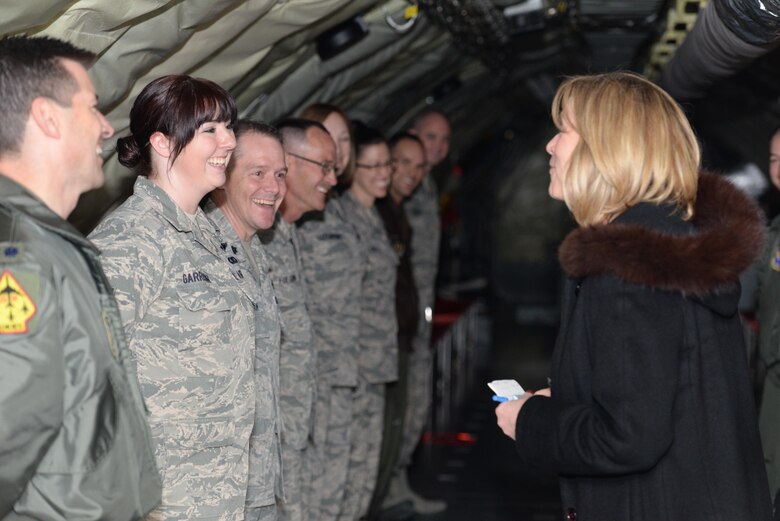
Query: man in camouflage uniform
[(408, 156), (333, 268), (74, 442), (246, 204), (422, 211), (307, 184)]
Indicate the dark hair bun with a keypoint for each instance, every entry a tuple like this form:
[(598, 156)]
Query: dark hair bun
[(128, 152)]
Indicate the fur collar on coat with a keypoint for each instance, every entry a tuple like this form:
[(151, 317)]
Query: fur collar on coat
[(727, 239)]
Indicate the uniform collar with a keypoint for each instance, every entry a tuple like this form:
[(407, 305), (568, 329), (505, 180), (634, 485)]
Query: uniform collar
[(168, 209), (283, 228), (224, 228), (369, 215), (25, 202)]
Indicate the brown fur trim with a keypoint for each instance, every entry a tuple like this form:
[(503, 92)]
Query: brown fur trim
[(728, 238)]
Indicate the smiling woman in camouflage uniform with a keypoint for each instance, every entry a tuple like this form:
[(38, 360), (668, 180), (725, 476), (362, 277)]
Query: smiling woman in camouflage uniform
[(188, 321), (378, 358)]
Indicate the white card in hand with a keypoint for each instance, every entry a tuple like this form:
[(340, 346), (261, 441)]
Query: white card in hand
[(506, 388)]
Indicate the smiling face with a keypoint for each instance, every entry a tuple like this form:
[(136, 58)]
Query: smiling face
[(256, 185), (434, 132), (201, 166), (410, 167), (372, 173), (774, 160), (307, 183), (560, 148), (339, 131), (85, 130)]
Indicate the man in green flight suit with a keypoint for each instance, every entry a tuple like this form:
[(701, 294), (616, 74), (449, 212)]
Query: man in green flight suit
[(74, 442)]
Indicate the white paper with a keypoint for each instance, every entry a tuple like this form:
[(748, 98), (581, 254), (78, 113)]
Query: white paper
[(506, 388)]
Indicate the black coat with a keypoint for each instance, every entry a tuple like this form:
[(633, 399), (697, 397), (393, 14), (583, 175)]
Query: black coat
[(652, 415)]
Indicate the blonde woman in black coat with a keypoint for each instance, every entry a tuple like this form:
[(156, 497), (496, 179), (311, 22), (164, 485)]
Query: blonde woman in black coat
[(650, 414)]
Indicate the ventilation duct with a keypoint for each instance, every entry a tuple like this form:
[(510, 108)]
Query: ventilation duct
[(728, 35)]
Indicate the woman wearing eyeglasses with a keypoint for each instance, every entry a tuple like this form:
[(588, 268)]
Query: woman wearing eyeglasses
[(378, 355)]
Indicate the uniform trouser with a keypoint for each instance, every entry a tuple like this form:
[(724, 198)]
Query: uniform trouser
[(329, 457), (393, 430), (368, 406), (266, 513), (418, 384), (769, 426), (297, 476)]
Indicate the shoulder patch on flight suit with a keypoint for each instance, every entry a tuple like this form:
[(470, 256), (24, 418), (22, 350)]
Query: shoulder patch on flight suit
[(10, 252), (16, 306), (774, 263)]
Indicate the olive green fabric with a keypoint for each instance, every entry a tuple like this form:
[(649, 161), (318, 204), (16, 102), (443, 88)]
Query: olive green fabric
[(73, 427)]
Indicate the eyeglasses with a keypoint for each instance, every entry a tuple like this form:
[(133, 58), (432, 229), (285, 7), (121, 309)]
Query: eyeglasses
[(388, 164), (327, 167)]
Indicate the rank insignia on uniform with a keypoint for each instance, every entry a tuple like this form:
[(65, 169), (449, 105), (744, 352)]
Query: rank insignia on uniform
[(16, 306), (775, 262), (10, 252)]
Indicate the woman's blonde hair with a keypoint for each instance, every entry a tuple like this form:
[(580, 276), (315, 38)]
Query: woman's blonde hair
[(635, 146)]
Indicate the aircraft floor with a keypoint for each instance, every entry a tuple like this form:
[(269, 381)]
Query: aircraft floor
[(484, 481)]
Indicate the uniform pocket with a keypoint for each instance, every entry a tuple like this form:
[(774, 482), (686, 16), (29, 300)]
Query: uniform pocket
[(263, 470), (199, 454), (86, 436), (204, 317)]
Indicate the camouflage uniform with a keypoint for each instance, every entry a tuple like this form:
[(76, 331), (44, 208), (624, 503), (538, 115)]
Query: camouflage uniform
[(249, 264), (422, 211), (74, 441), (282, 247), (378, 361), (407, 314), (190, 327), (333, 270)]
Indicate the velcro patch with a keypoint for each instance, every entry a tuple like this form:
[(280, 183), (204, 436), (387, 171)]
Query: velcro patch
[(16, 306), (11, 252), (774, 263)]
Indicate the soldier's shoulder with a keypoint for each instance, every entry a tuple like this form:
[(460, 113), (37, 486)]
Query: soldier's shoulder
[(129, 223), (266, 236), (127, 232), (15, 227), (24, 241), (774, 228)]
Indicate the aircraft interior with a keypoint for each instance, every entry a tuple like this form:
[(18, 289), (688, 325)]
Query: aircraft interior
[(493, 67)]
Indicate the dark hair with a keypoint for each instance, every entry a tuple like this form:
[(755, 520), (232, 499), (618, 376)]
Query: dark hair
[(366, 136), (294, 129), (405, 135), (248, 126), (32, 67), (175, 105)]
